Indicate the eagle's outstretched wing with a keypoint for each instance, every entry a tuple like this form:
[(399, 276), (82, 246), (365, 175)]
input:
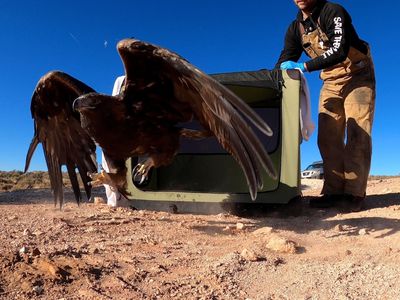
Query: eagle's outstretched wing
[(59, 130), (217, 108)]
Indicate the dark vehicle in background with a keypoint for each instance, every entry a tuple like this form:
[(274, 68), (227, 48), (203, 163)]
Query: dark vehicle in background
[(314, 171)]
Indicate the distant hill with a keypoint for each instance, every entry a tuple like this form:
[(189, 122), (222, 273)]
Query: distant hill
[(17, 180)]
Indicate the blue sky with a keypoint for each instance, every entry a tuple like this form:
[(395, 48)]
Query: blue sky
[(79, 37)]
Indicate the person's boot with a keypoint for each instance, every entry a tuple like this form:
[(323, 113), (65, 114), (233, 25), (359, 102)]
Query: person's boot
[(353, 203), (324, 201)]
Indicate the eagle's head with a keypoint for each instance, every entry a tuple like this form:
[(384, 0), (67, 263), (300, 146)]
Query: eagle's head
[(87, 102), (100, 115), (99, 106)]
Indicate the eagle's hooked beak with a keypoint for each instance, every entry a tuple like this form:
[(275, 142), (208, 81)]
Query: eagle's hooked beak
[(76, 104), (84, 102)]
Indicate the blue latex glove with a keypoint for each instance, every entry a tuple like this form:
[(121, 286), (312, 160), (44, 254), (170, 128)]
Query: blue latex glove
[(288, 65)]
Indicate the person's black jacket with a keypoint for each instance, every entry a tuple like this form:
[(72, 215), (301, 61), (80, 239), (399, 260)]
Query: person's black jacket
[(336, 23)]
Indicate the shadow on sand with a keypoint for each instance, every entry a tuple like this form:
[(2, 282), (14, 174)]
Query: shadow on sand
[(298, 217)]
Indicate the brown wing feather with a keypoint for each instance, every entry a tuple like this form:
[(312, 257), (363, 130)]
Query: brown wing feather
[(59, 130), (216, 107)]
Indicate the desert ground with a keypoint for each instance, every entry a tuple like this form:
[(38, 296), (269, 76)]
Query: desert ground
[(92, 251)]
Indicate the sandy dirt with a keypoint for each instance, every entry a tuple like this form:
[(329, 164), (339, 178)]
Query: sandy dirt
[(92, 251)]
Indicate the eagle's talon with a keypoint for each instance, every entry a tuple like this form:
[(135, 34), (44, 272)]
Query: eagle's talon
[(140, 175), (99, 179), (142, 179), (141, 169)]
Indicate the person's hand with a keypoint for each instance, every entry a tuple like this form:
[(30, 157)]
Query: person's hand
[(288, 65)]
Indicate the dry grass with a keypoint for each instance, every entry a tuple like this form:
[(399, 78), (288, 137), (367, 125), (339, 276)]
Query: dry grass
[(17, 180)]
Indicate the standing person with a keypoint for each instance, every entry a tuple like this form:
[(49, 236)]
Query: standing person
[(324, 31), (113, 196)]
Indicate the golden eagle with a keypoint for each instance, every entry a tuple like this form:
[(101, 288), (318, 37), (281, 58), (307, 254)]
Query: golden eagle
[(161, 91)]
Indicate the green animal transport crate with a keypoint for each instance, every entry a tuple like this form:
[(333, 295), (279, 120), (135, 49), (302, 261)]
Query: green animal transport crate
[(205, 179)]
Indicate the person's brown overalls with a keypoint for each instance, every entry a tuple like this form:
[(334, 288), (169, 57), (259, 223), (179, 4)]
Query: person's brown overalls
[(347, 101)]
